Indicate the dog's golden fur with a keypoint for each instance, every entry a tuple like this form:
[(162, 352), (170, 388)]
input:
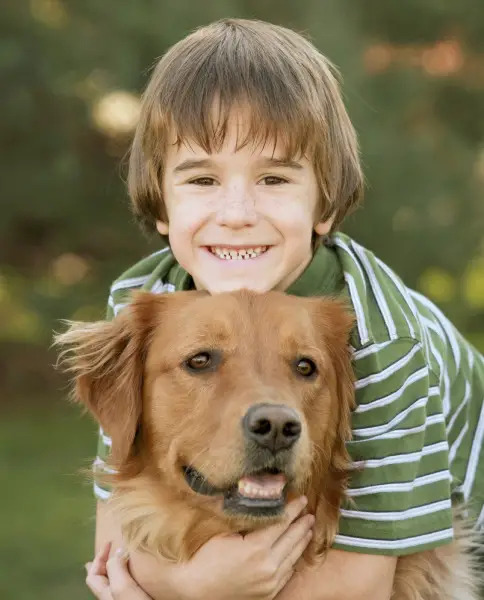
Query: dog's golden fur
[(131, 374)]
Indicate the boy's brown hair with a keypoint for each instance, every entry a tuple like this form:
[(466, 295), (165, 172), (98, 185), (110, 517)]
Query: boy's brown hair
[(292, 94)]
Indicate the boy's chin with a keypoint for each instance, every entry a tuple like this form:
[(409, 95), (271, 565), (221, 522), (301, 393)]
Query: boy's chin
[(216, 286)]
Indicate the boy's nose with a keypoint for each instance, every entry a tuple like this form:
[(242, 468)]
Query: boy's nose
[(236, 212)]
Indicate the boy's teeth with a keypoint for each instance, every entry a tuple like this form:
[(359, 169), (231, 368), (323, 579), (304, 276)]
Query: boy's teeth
[(242, 254)]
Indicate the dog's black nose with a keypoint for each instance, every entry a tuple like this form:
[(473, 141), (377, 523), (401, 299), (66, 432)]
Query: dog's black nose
[(272, 426)]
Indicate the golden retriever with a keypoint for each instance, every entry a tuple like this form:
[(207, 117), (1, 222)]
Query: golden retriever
[(221, 409)]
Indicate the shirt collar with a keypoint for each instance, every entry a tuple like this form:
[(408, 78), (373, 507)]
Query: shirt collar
[(322, 277)]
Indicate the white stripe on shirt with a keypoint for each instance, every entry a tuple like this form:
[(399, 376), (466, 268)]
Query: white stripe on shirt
[(357, 305), (377, 291), (399, 433), (129, 283), (398, 515), (390, 370), (409, 457), (457, 443), (445, 324), (460, 407), (364, 352), (404, 486), (162, 288), (385, 427), (384, 400), (474, 456), (338, 242), (409, 542), (100, 493)]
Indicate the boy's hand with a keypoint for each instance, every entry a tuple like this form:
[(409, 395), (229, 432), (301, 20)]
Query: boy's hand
[(254, 567), (109, 578)]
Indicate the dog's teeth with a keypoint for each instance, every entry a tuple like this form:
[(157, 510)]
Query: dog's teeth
[(250, 490)]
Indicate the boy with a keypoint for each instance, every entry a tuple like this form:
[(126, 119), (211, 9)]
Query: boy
[(245, 159)]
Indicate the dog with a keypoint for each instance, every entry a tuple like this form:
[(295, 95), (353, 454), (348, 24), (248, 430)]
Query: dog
[(223, 408)]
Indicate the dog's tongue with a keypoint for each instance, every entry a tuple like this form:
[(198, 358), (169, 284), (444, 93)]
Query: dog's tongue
[(262, 486)]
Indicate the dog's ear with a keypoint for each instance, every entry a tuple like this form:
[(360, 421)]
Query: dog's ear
[(334, 323), (106, 360), (337, 323)]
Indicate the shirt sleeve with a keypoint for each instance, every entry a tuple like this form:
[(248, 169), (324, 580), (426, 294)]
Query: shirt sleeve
[(399, 496), (100, 467)]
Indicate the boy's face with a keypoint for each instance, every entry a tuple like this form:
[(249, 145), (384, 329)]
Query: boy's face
[(239, 219)]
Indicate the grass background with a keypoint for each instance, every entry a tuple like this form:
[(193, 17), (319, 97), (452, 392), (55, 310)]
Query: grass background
[(46, 518)]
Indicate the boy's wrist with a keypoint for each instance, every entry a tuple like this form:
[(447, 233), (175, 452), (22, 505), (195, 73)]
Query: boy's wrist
[(186, 587)]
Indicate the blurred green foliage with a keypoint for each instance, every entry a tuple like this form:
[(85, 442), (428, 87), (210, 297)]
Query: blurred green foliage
[(414, 85), (70, 75)]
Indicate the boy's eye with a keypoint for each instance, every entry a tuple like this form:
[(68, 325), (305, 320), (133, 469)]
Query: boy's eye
[(273, 180), (203, 181)]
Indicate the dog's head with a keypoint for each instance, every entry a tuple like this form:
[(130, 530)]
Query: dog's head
[(238, 400)]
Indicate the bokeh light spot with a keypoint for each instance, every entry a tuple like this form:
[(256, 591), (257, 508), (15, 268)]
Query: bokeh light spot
[(438, 284), (116, 113), (69, 268)]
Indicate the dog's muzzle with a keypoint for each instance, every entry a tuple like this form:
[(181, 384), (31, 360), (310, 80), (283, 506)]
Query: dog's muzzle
[(261, 494), (270, 432)]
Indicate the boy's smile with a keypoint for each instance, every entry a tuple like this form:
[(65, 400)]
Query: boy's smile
[(239, 253), (239, 217)]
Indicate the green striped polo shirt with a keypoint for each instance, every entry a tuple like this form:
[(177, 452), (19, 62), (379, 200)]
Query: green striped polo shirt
[(418, 425)]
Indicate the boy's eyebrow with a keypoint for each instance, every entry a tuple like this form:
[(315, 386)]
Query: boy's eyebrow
[(193, 163), (280, 162), (197, 163)]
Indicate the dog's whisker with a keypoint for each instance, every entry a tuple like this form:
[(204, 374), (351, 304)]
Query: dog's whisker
[(201, 452)]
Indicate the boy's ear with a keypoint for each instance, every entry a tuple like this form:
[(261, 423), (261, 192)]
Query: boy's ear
[(324, 227), (106, 359), (162, 227)]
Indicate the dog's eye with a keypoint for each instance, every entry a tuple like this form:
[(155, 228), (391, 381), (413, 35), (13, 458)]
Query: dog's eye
[(199, 361), (305, 367)]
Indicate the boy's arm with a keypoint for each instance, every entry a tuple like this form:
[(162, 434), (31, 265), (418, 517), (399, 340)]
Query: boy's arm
[(106, 529), (344, 576), (150, 573)]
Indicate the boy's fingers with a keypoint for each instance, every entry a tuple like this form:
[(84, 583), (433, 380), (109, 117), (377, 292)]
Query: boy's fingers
[(272, 533), (285, 580), (98, 584), (293, 538), (294, 555), (96, 579), (100, 560)]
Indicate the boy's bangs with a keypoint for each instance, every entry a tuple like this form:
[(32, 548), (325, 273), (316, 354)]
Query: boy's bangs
[(246, 69), (260, 120)]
